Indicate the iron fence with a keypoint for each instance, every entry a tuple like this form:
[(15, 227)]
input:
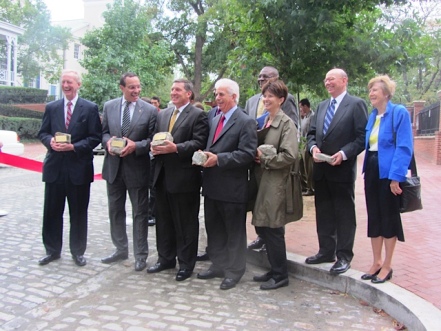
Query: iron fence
[(427, 121)]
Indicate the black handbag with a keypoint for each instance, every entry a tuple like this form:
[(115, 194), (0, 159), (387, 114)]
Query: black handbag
[(410, 198)]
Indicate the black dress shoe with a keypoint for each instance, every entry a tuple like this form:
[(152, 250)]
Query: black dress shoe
[(256, 244), (140, 265), (377, 280), (152, 221), (183, 274), (158, 267), (340, 267), (227, 283), (370, 276), (115, 257), (209, 274), (272, 284), (263, 278), (48, 259), (79, 260), (319, 258), (203, 257)]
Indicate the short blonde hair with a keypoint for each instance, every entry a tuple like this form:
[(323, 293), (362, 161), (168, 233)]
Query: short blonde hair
[(387, 84)]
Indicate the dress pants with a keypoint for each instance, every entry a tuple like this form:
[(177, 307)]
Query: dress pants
[(54, 202), (335, 216), (177, 226), (276, 251), (117, 193), (225, 223)]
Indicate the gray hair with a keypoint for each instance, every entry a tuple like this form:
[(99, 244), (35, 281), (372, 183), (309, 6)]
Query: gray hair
[(73, 73), (231, 86)]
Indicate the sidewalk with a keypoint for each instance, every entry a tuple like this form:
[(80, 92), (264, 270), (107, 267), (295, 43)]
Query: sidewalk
[(416, 262)]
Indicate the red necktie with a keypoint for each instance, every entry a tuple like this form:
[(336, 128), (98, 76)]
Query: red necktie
[(219, 128), (69, 114)]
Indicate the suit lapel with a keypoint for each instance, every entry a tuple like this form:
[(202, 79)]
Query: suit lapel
[(226, 127), (182, 116), (59, 116), (167, 116), (136, 115)]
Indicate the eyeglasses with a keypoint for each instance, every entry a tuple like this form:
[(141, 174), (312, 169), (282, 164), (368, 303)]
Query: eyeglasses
[(263, 76)]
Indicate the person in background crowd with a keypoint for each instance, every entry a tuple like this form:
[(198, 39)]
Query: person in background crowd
[(389, 149), (337, 130), (155, 101), (255, 108), (68, 168), (178, 182), (230, 150), (306, 165), (134, 120), (269, 214)]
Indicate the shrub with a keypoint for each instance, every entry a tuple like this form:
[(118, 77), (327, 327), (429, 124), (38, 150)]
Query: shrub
[(11, 94), (12, 111), (26, 128)]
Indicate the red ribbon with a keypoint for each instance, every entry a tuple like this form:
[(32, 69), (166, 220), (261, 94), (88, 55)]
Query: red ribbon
[(27, 164)]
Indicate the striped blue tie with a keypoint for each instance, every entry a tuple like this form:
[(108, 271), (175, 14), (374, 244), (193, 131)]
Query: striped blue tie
[(329, 115)]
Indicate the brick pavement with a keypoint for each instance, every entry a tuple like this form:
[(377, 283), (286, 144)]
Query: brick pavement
[(417, 261), (62, 296)]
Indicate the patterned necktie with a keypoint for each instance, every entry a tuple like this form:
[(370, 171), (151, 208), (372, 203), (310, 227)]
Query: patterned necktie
[(69, 114), (219, 128), (126, 120), (173, 119), (329, 115)]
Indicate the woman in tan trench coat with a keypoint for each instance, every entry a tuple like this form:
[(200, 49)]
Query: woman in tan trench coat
[(273, 176)]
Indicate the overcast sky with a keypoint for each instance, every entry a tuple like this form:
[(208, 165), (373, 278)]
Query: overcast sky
[(65, 10)]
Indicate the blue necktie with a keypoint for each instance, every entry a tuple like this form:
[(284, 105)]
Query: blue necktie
[(329, 115)]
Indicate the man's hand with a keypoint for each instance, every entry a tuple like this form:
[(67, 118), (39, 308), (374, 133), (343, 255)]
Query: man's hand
[(257, 157), (316, 150), (211, 160), (61, 147), (129, 149), (338, 159), (167, 147)]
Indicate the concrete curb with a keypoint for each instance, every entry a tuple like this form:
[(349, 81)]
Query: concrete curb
[(411, 310)]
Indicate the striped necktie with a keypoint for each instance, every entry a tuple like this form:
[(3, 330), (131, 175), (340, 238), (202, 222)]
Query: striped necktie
[(69, 114), (329, 115)]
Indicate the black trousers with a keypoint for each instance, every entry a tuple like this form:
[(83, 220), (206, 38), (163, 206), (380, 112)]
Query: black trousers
[(226, 236), (276, 251), (335, 216), (54, 203), (177, 226)]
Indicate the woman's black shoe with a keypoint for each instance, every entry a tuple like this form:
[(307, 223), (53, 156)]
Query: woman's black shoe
[(370, 276), (377, 280)]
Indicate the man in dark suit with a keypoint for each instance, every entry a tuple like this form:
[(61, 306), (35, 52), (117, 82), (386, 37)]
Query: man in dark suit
[(128, 171), (231, 148), (255, 109), (68, 168), (338, 130), (178, 182)]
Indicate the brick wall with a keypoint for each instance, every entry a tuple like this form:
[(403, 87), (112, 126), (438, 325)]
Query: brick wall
[(428, 147), (32, 106)]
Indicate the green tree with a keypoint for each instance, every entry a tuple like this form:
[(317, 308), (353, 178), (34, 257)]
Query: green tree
[(126, 42), (40, 45)]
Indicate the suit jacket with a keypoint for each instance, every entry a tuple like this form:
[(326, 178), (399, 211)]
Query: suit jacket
[(85, 131), (346, 133), (235, 149), (289, 107), (189, 133), (136, 165)]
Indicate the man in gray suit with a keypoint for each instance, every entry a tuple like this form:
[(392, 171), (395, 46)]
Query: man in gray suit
[(133, 119), (255, 109), (338, 130), (231, 148)]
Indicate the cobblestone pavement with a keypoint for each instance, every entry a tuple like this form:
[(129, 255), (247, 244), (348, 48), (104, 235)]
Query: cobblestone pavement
[(62, 296)]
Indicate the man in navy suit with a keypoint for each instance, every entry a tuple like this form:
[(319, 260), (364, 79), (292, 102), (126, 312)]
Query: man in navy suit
[(68, 168), (178, 182), (338, 130), (129, 171), (231, 148)]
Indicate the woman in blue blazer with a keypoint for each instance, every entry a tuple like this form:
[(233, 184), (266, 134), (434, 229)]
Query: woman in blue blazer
[(389, 148)]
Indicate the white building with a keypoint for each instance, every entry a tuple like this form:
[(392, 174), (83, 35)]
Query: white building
[(8, 62), (93, 10)]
